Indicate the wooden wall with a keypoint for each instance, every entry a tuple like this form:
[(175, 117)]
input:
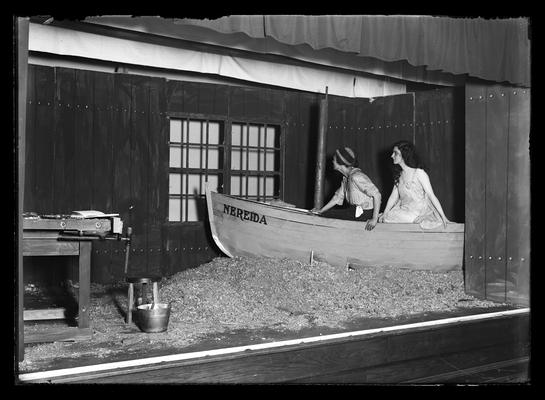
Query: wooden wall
[(497, 239), (100, 141)]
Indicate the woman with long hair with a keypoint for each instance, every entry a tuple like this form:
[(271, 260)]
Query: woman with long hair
[(412, 199)]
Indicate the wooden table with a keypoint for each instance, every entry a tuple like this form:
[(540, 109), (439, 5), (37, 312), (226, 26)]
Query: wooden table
[(42, 237), (47, 243)]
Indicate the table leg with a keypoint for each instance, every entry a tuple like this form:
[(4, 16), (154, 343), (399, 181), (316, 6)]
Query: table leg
[(131, 303), (84, 283), (156, 293)]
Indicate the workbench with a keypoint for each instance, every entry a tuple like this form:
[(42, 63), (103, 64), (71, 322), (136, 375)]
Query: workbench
[(46, 237)]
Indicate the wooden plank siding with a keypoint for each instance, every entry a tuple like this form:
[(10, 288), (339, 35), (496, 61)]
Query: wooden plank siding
[(517, 275), (115, 145), (439, 142), (104, 252), (497, 118), (42, 197), (475, 190), (497, 240), (64, 142)]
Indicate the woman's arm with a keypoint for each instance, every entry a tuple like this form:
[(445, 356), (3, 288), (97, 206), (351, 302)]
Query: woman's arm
[(337, 198), (367, 187), (392, 200), (424, 180), (329, 205), (377, 198)]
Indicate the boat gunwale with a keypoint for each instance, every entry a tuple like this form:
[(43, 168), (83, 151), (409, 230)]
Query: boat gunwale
[(452, 227)]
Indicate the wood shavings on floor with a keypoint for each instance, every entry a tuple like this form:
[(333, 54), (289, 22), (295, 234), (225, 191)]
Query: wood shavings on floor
[(254, 293)]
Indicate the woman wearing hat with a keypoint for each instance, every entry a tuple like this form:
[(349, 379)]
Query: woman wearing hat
[(356, 188)]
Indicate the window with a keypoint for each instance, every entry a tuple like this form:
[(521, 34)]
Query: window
[(195, 157), (255, 159), (238, 158)]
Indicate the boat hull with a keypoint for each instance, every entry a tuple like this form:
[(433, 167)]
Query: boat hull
[(249, 228)]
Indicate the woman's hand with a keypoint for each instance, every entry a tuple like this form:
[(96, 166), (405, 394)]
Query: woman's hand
[(371, 224), (381, 217)]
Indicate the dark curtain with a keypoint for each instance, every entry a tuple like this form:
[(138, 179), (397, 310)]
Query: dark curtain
[(496, 49)]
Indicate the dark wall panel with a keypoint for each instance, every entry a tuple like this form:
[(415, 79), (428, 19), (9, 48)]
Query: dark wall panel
[(292, 134), (30, 145), (497, 241), (103, 134), (518, 198), (497, 119), (83, 135), (157, 177), (64, 142), (122, 162), (140, 164), (43, 135), (378, 149), (440, 145), (361, 135), (102, 177), (475, 172)]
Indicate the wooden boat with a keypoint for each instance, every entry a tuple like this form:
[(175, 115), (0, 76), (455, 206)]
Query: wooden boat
[(250, 228)]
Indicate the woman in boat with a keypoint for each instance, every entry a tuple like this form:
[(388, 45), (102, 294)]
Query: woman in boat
[(356, 188), (412, 199)]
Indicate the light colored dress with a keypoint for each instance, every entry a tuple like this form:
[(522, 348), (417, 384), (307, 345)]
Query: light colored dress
[(413, 206)]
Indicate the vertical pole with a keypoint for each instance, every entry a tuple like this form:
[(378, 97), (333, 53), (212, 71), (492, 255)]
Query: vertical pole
[(21, 30), (320, 158), (84, 298)]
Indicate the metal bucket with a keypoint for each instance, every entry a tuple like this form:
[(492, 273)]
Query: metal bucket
[(153, 320)]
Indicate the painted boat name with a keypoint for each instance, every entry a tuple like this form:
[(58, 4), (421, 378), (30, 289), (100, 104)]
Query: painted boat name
[(244, 215)]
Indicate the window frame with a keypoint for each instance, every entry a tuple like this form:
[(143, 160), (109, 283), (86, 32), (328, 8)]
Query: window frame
[(225, 169)]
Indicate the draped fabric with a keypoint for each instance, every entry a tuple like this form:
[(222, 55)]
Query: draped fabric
[(496, 50), (223, 34), (47, 39)]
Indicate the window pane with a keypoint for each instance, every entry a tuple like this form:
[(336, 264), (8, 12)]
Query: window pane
[(213, 182), (252, 160), (236, 134), (175, 159), (213, 133), (174, 184), (244, 135), (271, 136), (238, 185), (213, 158), (269, 186), (194, 157), (192, 214), (174, 209), (254, 135), (195, 128), (252, 185), (184, 131), (235, 159), (193, 184), (270, 161), (175, 130)]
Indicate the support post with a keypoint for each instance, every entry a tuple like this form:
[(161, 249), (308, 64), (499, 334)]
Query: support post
[(320, 157), (21, 28)]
